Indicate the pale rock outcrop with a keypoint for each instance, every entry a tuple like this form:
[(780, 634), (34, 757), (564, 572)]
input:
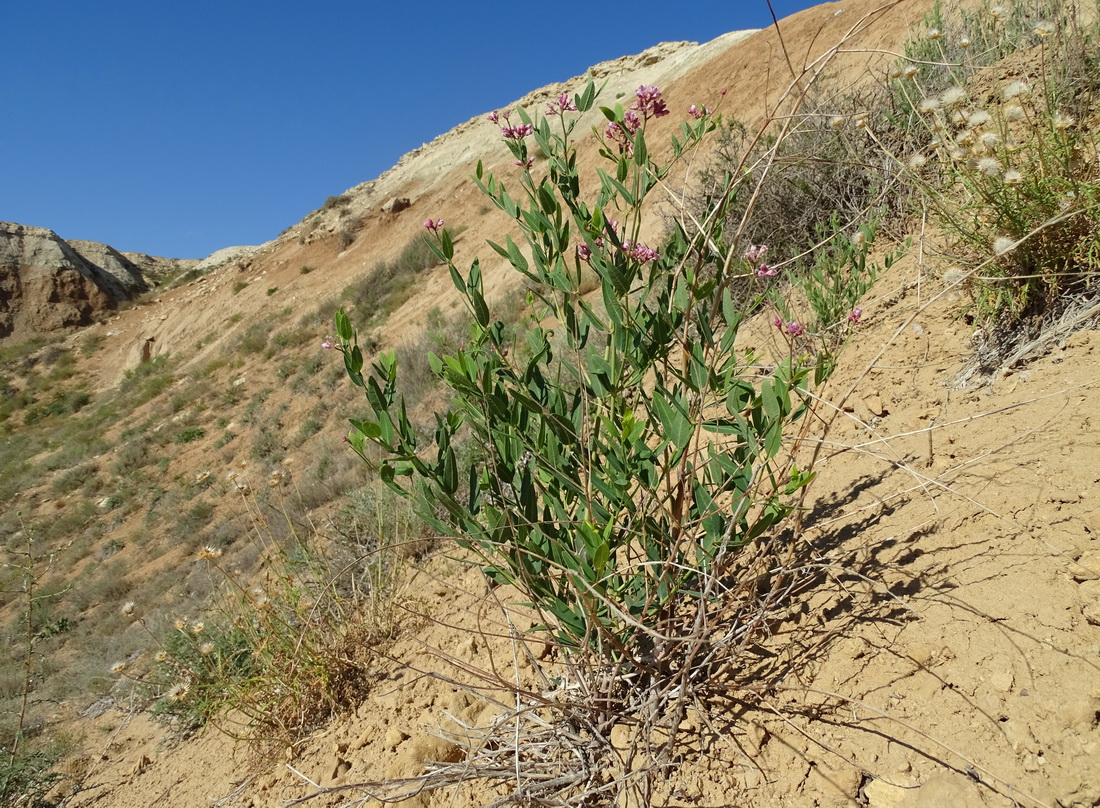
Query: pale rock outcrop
[(47, 284)]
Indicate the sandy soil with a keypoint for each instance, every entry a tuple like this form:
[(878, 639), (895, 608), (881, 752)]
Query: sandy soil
[(946, 653)]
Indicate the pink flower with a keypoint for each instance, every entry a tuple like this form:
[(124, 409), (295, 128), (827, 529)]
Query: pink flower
[(642, 253), (777, 321), (765, 271), (583, 252), (563, 104), (649, 102), (855, 315), (517, 132), (755, 253), (327, 343), (435, 225), (698, 112), (493, 116), (794, 329), (530, 161)]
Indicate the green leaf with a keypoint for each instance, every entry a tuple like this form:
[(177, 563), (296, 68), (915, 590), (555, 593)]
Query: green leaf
[(515, 256), (343, 327), (673, 417), (367, 428)]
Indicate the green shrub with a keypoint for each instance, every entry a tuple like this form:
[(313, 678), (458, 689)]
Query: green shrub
[(623, 470), (190, 434)]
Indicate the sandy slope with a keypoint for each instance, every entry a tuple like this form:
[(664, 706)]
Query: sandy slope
[(947, 653)]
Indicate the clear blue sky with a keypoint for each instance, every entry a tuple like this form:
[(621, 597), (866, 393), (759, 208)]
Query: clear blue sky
[(179, 128)]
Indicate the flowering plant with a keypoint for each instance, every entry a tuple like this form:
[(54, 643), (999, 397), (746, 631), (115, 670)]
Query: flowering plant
[(630, 450)]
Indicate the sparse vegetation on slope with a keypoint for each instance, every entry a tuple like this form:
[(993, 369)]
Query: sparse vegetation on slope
[(647, 416)]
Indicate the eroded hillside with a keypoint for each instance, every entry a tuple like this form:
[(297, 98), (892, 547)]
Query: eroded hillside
[(939, 647)]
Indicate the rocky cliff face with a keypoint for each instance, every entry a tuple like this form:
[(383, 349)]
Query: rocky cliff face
[(47, 283)]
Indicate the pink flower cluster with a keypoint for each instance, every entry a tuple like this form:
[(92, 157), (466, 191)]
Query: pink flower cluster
[(435, 225), (755, 253), (791, 329), (649, 104), (639, 252), (517, 132), (698, 112), (510, 132), (563, 104)]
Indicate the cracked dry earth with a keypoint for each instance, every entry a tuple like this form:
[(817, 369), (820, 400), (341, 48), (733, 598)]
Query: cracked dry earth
[(947, 653)]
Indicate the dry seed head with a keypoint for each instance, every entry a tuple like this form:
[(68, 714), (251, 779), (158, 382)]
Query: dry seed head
[(964, 42), (1044, 28), (917, 161), (178, 692), (209, 552), (161, 656), (197, 627), (127, 608), (954, 276), (1013, 113), (997, 11), (1012, 177), (836, 121), (978, 117), (206, 648), (1003, 244), (928, 106), (118, 667), (989, 140), (180, 623), (990, 166), (953, 96), (1016, 88), (910, 71), (1061, 121), (935, 33)]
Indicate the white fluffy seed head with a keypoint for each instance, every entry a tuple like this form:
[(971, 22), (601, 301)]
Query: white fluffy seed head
[(978, 117), (953, 96), (990, 166)]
